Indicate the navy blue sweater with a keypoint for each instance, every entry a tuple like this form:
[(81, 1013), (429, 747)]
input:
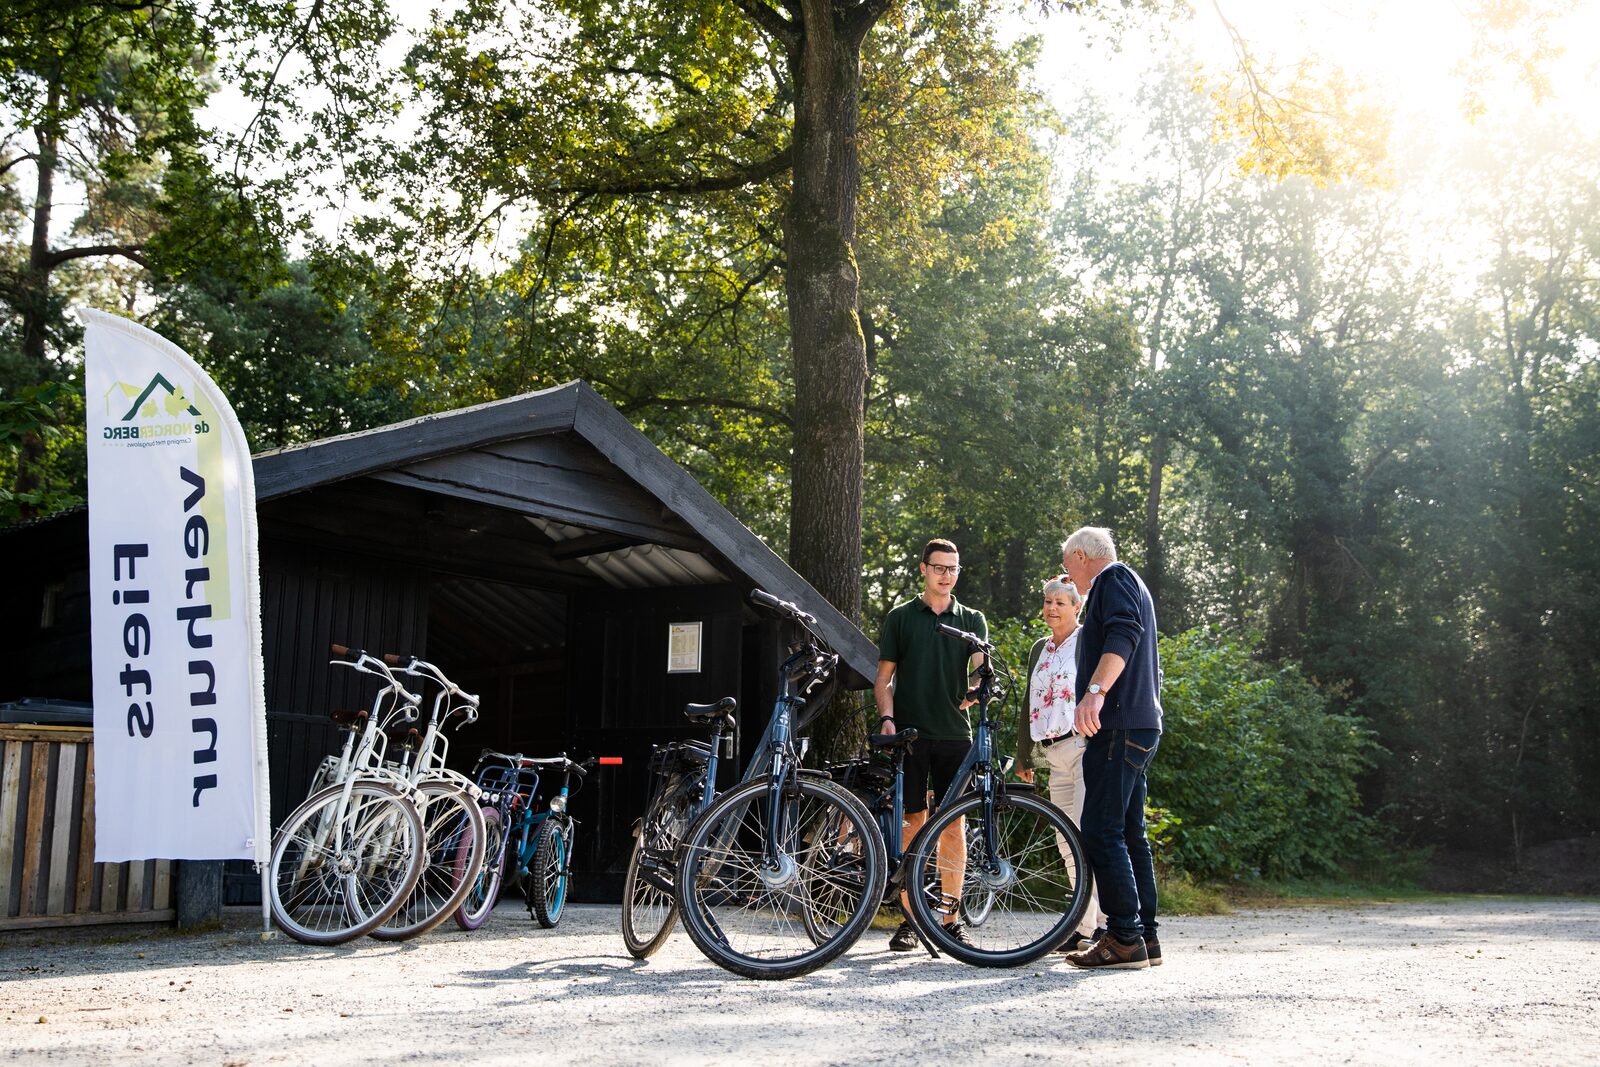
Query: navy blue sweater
[(1119, 617)]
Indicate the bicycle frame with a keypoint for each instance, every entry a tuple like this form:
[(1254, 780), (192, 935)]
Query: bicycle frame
[(557, 804), (977, 769)]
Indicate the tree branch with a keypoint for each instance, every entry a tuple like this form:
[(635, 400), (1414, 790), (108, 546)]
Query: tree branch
[(754, 174), (658, 75), (133, 252), (860, 20), (25, 157), (769, 22), (680, 403)]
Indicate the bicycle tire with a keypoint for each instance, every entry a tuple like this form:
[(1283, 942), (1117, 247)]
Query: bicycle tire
[(339, 866), (551, 873), (759, 928), (448, 814), (649, 903), (485, 891), (1039, 895)]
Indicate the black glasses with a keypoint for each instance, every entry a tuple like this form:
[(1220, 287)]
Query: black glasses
[(944, 568)]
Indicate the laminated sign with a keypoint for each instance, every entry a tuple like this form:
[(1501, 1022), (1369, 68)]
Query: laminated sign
[(179, 709)]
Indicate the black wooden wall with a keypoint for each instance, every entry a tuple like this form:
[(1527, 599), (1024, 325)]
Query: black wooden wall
[(312, 598), (621, 701)]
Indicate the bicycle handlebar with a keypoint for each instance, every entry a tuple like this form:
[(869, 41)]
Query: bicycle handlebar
[(421, 668), (970, 638), (366, 663), (767, 600)]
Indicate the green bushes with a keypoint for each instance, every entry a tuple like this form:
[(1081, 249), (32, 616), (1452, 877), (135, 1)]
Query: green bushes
[(1257, 771), (1256, 765)]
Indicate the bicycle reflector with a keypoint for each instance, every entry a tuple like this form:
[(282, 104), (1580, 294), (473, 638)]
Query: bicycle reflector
[(610, 761)]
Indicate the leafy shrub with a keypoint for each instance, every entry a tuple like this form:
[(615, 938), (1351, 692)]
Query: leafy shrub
[(1257, 771), (1256, 764)]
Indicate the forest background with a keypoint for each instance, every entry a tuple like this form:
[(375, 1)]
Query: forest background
[(1304, 310)]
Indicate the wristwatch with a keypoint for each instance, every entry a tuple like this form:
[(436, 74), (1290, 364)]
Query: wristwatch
[(1096, 689)]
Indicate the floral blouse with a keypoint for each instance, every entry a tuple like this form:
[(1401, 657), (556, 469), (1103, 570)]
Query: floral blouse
[(1051, 703)]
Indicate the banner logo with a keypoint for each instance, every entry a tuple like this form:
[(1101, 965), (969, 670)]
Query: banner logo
[(156, 412)]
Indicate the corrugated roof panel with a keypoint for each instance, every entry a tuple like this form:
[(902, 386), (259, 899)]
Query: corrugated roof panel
[(637, 566)]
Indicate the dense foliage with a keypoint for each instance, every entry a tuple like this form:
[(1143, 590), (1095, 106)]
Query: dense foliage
[(1299, 427), (1257, 764)]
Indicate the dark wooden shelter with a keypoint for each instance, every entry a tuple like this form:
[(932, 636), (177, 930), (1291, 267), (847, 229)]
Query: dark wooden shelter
[(536, 548)]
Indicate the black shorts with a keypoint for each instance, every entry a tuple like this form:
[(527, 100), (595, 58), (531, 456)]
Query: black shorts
[(931, 764)]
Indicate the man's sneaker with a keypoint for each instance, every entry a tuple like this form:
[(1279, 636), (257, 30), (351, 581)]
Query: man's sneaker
[(1109, 954), (904, 938), (1075, 942), (1152, 948), (958, 930)]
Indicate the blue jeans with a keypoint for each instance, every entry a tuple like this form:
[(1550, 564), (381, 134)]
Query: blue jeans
[(1115, 765)]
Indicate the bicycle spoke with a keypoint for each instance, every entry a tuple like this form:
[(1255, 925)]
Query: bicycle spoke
[(1029, 892), (819, 892)]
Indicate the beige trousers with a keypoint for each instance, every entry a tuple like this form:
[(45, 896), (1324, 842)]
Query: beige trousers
[(1065, 760)]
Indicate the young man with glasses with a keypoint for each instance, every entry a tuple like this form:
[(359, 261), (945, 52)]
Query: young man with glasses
[(922, 682)]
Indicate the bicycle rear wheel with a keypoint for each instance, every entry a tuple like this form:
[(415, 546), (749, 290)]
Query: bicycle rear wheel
[(342, 864), (1034, 888), (551, 872), (480, 900), (761, 922), (449, 817), (649, 906)]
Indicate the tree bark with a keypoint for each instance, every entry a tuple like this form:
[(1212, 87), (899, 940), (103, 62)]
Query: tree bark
[(35, 305), (823, 286), (36, 301)]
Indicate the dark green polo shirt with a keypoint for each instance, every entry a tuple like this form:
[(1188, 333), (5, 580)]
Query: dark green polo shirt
[(930, 668)]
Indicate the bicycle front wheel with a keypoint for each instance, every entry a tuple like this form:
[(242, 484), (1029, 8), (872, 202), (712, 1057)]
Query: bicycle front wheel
[(449, 817), (649, 907), (475, 909), (751, 900), (551, 872), (1032, 889), (342, 864)]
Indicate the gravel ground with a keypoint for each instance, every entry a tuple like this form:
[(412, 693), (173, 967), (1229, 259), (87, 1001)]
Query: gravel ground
[(1482, 981)]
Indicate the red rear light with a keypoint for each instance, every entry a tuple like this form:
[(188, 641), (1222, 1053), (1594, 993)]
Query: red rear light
[(610, 761)]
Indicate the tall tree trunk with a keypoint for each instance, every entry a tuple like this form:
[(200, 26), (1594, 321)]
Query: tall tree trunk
[(823, 283), (36, 302), (1155, 560), (36, 305)]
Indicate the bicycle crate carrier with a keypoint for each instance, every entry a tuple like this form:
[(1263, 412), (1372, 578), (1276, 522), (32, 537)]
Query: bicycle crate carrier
[(501, 774)]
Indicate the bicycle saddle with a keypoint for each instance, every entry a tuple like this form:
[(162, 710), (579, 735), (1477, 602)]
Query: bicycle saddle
[(347, 718), (898, 739), (702, 712)]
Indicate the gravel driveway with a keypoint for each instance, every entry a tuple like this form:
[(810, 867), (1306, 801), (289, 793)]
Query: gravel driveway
[(1479, 981)]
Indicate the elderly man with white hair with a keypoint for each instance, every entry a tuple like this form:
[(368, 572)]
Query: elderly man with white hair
[(1119, 712)]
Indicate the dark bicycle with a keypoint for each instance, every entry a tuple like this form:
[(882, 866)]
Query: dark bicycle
[(683, 782), (751, 864), (1024, 880)]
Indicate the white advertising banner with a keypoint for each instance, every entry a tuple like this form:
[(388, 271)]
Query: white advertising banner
[(180, 748)]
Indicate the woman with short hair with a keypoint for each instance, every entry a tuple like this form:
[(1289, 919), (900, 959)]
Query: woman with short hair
[(1046, 736)]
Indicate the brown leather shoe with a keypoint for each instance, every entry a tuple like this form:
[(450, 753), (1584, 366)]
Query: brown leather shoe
[(1109, 954), (1152, 948)]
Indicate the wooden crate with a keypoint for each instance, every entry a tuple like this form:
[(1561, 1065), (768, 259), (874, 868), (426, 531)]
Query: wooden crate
[(48, 876)]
